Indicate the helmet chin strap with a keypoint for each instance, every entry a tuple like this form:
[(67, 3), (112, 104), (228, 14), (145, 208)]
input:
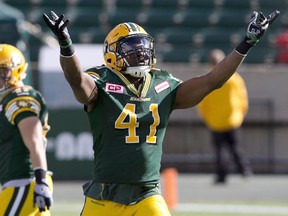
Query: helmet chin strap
[(5, 85), (2, 88), (137, 71)]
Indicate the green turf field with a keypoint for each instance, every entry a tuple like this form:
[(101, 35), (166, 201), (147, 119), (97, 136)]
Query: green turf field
[(261, 195), (200, 209)]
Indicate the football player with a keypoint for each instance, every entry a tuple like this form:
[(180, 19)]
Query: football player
[(26, 183), (128, 102)]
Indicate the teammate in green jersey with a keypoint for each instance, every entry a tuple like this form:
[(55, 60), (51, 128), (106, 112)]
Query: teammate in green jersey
[(128, 102), (26, 184)]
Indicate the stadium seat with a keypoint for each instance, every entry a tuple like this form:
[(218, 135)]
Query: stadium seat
[(17, 3), (35, 15), (34, 47), (239, 4), (176, 35), (260, 54), (176, 54), (193, 18), (228, 18), (218, 37), (85, 17), (24, 6), (55, 3), (9, 31), (96, 4), (167, 4), (99, 35), (201, 4), (121, 15), (156, 18), (273, 5), (128, 4), (88, 35), (201, 55)]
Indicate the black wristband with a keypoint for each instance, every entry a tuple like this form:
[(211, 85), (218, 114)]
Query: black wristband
[(39, 175), (244, 47), (69, 51), (66, 48)]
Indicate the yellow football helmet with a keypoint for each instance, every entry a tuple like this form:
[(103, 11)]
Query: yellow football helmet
[(129, 49), (12, 66)]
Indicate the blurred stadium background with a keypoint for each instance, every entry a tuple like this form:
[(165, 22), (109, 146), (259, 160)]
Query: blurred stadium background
[(184, 31)]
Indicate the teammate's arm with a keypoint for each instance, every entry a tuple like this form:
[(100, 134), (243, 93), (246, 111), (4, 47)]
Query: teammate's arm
[(32, 135), (192, 91), (83, 86)]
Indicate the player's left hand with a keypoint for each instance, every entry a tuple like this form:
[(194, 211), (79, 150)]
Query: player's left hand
[(42, 194), (258, 25), (58, 25)]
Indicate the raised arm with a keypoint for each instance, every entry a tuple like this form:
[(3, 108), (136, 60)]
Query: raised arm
[(83, 86), (192, 91)]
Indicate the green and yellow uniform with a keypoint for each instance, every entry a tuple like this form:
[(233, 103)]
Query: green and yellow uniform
[(128, 124), (16, 172)]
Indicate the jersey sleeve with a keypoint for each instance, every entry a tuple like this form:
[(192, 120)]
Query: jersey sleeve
[(173, 83), (94, 73), (20, 107)]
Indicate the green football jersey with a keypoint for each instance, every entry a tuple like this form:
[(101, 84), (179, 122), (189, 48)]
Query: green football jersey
[(128, 125), (18, 104)]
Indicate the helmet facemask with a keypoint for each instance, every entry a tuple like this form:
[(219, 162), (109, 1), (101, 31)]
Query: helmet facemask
[(5, 74), (137, 54)]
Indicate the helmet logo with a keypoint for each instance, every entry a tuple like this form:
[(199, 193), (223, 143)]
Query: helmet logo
[(23, 103), (15, 59)]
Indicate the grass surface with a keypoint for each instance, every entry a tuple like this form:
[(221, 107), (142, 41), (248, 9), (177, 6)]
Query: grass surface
[(260, 195), (203, 209)]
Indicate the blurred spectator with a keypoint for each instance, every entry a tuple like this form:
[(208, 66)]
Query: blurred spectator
[(282, 45), (223, 112)]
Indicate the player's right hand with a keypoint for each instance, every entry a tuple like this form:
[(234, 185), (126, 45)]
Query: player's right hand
[(258, 25), (58, 26), (42, 195)]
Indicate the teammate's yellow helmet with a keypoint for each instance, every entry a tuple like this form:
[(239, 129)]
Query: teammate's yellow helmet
[(12, 66), (129, 49)]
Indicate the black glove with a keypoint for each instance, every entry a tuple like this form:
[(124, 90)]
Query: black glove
[(59, 28), (42, 194), (257, 26)]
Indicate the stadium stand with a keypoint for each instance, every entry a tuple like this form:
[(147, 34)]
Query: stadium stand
[(243, 4), (261, 55), (227, 18), (203, 25), (129, 4), (167, 4), (193, 18), (265, 4), (214, 4), (172, 35), (99, 4)]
